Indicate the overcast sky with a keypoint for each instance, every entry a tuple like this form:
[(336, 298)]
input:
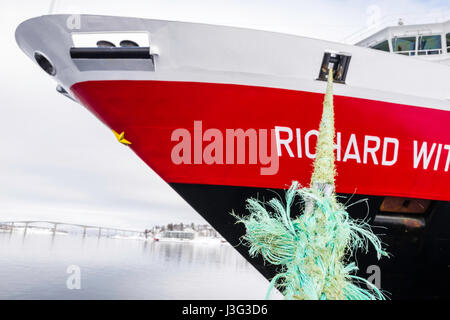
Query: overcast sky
[(57, 162)]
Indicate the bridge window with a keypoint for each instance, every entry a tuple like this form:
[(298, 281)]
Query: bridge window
[(448, 42), (406, 45), (383, 46), (430, 45)]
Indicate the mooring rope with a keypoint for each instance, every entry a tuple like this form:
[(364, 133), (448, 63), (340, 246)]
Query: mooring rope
[(313, 249)]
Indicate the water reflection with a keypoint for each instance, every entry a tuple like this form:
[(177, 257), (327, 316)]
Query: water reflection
[(33, 266)]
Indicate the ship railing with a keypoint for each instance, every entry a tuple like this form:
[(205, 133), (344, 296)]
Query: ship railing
[(406, 52), (425, 52)]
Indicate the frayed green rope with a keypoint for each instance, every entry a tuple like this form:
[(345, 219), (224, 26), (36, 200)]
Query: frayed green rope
[(311, 249)]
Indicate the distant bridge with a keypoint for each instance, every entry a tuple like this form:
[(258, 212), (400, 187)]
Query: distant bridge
[(11, 225)]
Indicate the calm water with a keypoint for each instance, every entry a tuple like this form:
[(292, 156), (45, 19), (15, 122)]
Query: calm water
[(34, 267)]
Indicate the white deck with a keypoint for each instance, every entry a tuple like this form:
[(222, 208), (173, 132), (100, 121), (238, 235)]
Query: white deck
[(206, 53)]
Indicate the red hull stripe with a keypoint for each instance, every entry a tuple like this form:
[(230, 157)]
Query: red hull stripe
[(149, 112)]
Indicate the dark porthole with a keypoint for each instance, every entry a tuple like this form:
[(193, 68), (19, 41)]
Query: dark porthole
[(105, 44), (44, 63), (128, 43)]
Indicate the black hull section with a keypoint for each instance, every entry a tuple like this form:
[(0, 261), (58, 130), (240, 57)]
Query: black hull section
[(419, 266)]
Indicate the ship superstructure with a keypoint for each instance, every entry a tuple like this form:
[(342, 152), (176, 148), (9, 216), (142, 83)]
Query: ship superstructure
[(425, 41)]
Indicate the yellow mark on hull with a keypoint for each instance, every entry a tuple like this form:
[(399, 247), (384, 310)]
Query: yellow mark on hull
[(121, 138)]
